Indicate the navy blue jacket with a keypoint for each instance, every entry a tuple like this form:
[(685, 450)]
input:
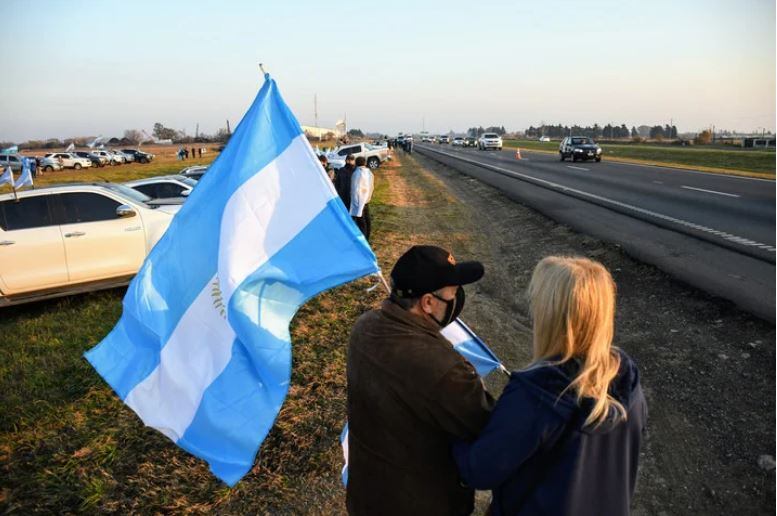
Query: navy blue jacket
[(537, 456)]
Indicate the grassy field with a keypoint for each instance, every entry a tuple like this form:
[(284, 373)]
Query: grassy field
[(68, 444), (751, 162)]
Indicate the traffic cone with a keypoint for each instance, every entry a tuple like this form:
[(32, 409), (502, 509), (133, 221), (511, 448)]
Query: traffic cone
[(517, 153)]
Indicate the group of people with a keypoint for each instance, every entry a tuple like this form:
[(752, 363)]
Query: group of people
[(354, 183), (563, 438), (183, 153)]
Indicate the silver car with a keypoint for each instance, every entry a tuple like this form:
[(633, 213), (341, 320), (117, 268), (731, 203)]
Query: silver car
[(11, 160)]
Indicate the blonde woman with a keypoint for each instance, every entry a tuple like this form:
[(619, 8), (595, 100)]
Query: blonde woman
[(565, 435)]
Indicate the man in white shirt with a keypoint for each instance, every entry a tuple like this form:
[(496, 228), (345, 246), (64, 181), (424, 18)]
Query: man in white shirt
[(362, 185)]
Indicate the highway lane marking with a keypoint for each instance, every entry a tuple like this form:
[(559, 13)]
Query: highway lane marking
[(556, 186), (579, 168), (709, 191), (691, 171)]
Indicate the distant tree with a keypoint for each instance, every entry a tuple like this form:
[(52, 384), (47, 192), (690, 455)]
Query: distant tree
[(164, 133), (703, 138), (634, 133), (356, 133), (222, 135), (657, 132), (133, 136), (53, 143), (673, 132)]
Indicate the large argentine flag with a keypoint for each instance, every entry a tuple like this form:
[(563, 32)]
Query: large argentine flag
[(470, 346), (202, 351)]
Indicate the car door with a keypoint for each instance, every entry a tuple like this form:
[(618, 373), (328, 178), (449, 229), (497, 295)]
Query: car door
[(32, 252), (98, 243)]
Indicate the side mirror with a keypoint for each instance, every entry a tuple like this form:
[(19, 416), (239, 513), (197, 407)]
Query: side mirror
[(186, 193), (125, 211)]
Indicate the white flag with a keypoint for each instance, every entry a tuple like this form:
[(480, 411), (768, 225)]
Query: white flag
[(7, 177), (26, 178), (71, 147)]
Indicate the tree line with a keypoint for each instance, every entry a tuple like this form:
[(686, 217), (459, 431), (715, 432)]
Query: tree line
[(597, 131)]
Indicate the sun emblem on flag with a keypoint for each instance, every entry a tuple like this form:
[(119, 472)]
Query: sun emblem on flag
[(218, 299)]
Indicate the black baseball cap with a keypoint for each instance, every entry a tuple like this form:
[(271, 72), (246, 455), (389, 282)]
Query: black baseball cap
[(426, 268)]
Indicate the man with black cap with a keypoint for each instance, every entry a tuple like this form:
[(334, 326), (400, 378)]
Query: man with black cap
[(410, 393)]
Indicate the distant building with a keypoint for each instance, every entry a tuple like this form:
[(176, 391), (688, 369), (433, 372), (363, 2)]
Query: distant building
[(758, 141), (318, 132), (644, 131)]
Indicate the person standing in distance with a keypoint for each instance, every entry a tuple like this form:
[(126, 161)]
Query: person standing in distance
[(410, 394), (343, 180), (362, 186), (565, 435)]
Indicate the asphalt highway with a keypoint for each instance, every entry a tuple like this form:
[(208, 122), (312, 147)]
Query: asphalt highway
[(713, 231)]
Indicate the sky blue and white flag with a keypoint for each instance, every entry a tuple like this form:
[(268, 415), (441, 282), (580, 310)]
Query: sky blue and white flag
[(7, 177), (25, 178), (470, 346), (202, 351), (13, 149)]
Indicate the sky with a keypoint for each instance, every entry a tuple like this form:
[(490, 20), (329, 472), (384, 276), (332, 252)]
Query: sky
[(98, 67)]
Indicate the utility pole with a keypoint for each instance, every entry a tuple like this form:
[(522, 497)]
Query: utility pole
[(228, 131), (671, 127), (197, 131)]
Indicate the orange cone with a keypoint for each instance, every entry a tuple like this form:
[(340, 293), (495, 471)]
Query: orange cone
[(517, 153)]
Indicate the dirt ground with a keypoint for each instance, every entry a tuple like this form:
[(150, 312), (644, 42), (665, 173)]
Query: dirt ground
[(707, 368)]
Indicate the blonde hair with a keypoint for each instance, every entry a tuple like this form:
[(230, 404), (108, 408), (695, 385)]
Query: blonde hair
[(572, 303)]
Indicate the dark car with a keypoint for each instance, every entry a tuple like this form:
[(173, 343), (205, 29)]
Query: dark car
[(194, 172), (97, 161), (579, 148), (470, 141), (140, 156)]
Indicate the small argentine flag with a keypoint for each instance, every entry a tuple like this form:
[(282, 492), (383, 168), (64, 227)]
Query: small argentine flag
[(202, 351), (470, 346)]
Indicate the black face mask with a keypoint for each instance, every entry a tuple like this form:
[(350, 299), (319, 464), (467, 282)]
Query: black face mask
[(453, 308)]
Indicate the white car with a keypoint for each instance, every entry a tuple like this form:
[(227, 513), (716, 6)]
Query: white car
[(490, 141), (128, 158), (164, 187), (70, 160), (374, 155), (67, 239), (112, 158), (458, 142), (544, 139)]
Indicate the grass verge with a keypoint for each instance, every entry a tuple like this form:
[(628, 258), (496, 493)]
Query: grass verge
[(68, 444), (750, 163)]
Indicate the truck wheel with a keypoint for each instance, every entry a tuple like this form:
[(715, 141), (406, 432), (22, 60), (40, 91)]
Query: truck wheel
[(561, 156), (598, 159), (373, 163), (574, 158), (48, 168), (77, 166)]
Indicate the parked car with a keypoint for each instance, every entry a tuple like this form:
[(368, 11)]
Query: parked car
[(194, 172), (138, 155), (374, 155), (164, 187), (70, 160), (49, 164), (112, 158), (544, 139), (470, 141), (128, 158), (458, 142), (579, 148), (445, 139), (97, 161), (490, 141), (11, 160), (66, 239)]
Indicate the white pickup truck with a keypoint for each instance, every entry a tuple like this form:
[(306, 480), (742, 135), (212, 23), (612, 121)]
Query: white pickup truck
[(374, 154)]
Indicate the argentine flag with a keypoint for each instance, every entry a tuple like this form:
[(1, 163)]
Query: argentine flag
[(202, 351), (470, 346)]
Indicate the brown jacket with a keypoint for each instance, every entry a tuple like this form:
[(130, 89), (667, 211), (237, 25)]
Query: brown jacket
[(409, 395)]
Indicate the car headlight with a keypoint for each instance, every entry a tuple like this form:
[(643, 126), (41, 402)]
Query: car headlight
[(578, 150), (598, 151)]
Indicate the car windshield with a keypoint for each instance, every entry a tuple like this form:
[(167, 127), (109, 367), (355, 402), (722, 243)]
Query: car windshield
[(126, 191), (582, 141), (188, 180), (490, 136)]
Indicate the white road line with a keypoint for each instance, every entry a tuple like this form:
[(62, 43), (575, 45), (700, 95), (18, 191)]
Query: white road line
[(578, 168), (709, 191), (556, 186), (691, 171)]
